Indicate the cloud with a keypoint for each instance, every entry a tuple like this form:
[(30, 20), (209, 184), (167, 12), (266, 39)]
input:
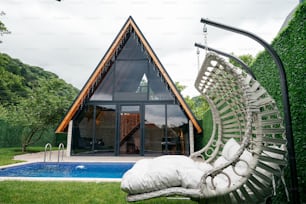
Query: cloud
[(70, 37)]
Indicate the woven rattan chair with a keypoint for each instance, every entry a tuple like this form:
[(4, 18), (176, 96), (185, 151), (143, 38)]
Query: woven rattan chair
[(246, 152)]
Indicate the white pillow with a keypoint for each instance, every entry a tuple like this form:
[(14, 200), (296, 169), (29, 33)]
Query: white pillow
[(158, 173), (231, 147)]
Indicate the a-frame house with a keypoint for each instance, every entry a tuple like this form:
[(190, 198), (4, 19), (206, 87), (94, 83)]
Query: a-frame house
[(129, 105)]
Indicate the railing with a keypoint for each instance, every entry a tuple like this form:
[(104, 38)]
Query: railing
[(48, 145), (61, 149)]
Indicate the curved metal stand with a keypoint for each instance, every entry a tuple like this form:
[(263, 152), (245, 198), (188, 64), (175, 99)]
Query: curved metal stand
[(285, 100)]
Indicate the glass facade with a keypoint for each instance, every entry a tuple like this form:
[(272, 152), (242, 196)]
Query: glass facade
[(105, 129), (82, 131), (130, 134), (94, 130), (177, 131), (155, 127), (128, 80), (131, 110)]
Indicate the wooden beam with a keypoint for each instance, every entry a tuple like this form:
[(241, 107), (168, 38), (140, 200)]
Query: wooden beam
[(92, 79)]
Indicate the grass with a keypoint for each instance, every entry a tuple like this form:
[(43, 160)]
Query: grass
[(24, 192), (7, 154), (69, 192)]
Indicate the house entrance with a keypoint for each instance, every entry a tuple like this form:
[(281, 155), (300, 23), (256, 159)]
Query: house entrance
[(130, 129)]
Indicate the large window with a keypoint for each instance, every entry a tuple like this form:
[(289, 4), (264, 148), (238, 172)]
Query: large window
[(132, 78), (82, 131), (105, 129), (166, 130), (158, 87), (129, 81), (177, 130), (104, 92), (155, 124), (94, 130), (130, 134)]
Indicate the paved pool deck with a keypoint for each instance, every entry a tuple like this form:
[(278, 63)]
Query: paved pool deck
[(39, 157)]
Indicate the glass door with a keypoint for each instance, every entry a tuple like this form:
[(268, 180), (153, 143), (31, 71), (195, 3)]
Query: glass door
[(130, 130)]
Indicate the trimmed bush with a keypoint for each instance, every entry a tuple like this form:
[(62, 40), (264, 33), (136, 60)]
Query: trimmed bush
[(290, 45)]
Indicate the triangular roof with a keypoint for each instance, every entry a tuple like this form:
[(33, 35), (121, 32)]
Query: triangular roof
[(104, 64)]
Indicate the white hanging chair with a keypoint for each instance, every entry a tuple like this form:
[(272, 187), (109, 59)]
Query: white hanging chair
[(244, 157)]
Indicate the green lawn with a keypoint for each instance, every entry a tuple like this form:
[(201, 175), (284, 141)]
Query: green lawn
[(69, 192), (7, 154), (15, 192)]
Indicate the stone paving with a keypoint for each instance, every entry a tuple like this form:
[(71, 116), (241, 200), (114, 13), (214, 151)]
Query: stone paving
[(39, 157)]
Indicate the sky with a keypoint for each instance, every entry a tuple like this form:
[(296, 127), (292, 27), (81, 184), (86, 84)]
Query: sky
[(70, 37)]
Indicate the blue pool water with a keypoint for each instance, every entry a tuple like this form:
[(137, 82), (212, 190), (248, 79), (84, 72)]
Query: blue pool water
[(68, 170)]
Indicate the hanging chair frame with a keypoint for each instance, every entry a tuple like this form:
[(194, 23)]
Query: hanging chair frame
[(285, 101)]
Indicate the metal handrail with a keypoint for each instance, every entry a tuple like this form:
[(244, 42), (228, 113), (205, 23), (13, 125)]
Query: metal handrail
[(50, 150), (61, 148)]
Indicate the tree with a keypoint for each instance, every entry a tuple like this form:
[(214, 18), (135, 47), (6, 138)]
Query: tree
[(248, 59), (197, 104), (3, 113), (41, 111), (180, 87), (32, 102), (3, 29)]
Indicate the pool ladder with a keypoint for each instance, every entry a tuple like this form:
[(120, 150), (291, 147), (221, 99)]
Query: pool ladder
[(48, 145), (61, 148)]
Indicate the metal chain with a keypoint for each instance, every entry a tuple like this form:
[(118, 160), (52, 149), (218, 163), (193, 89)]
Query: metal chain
[(205, 37), (198, 58)]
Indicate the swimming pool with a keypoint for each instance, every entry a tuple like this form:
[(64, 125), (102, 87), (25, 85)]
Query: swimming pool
[(106, 170)]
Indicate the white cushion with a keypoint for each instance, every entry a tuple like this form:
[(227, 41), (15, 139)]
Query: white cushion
[(161, 172), (231, 147), (221, 181), (190, 178), (203, 166)]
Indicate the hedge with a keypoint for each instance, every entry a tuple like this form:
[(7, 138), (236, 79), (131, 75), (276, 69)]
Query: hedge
[(290, 45)]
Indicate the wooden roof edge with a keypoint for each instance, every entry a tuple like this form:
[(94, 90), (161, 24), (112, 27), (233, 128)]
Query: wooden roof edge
[(167, 77), (130, 21), (84, 91)]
